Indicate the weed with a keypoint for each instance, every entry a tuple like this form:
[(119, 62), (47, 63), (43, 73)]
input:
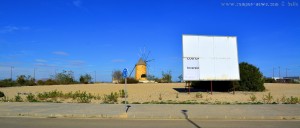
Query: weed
[(122, 93), (5, 99), (199, 95), (283, 99), (98, 97), (292, 100), (51, 94), (31, 98), (268, 98), (252, 97), (112, 98), (160, 97), (18, 98), (277, 100), (83, 97)]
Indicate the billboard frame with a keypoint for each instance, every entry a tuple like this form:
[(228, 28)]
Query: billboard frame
[(183, 57)]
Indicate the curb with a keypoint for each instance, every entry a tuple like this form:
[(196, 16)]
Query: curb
[(126, 116)]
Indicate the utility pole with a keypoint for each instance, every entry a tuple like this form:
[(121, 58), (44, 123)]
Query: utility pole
[(11, 67), (279, 72), (273, 72), (34, 74), (95, 77), (286, 72)]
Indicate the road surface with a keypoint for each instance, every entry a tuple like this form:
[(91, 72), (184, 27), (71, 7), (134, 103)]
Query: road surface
[(19, 122)]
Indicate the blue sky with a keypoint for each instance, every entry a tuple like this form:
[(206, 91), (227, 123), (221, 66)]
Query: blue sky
[(105, 35)]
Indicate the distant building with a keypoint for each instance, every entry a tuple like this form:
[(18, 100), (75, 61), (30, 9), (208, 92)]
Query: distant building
[(141, 70), (294, 79)]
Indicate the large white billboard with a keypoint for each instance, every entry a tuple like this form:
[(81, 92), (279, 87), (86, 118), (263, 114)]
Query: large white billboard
[(210, 58)]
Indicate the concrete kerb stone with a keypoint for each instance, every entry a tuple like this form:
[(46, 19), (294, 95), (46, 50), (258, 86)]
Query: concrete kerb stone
[(203, 112), (126, 116)]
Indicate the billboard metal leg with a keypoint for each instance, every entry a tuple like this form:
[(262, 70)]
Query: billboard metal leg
[(189, 84), (211, 88), (185, 87), (233, 91)]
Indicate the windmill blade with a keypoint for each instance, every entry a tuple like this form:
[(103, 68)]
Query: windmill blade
[(149, 60), (146, 58), (140, 53), (132, 70)]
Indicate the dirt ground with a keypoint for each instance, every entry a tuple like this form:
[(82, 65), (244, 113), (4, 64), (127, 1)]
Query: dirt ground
[(167, 91)]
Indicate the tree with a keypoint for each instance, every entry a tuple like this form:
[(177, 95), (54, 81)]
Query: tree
[(21, 80), (65, 77), (117, 75), (50, 82), (269, 80), (26, 80), (7, 83), (166, 77), (180, 78), (85, 78), (30, 81), (151, 77), (251, 78)]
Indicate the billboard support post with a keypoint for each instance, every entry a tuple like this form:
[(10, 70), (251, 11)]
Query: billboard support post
[(189, 86), (211, 88)]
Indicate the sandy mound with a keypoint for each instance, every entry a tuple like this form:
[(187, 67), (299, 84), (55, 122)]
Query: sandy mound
[(152, 92)]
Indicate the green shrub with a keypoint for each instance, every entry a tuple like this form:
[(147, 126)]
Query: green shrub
[(122, 93), (84, 97), (31, 98), (2, 94), (292, 100), (5, 99), (251, 78), (112, 98), (18, 98), (51, 94)]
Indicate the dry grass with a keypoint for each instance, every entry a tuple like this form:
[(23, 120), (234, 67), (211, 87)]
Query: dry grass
[(151, 92)]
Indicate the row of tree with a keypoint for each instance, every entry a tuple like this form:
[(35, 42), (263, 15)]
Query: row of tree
[(251, 79), (166, 77), (65, 77)]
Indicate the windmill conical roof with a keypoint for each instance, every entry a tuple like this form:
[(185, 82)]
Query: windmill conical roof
[(141, 62)]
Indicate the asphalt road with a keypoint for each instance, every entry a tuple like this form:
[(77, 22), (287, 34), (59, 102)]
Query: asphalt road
[(17, 122)]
